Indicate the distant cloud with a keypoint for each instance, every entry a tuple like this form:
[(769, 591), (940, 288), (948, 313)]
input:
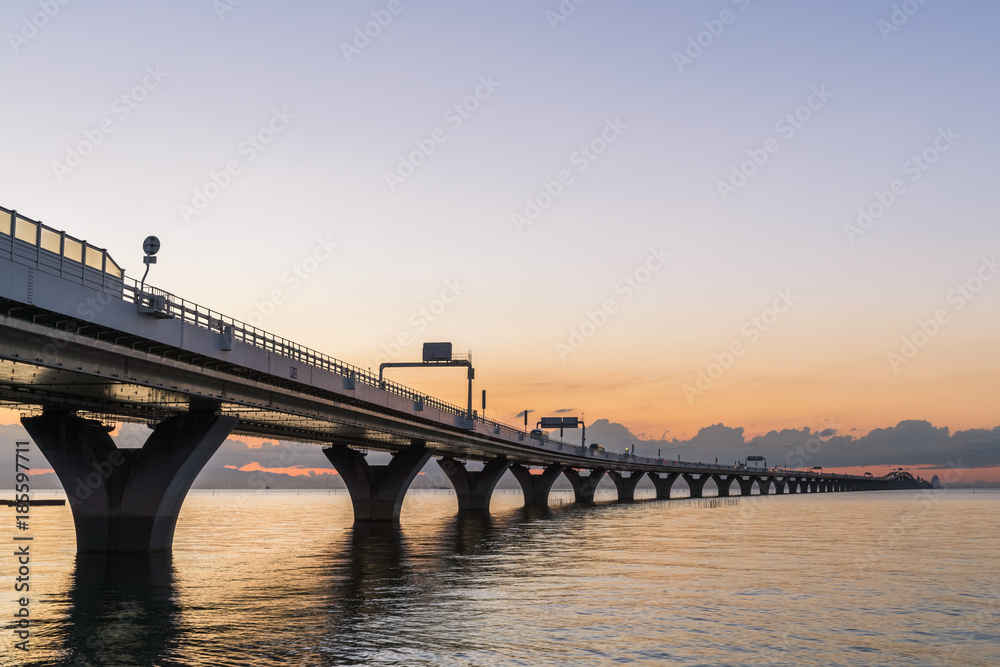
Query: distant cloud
[(912, 442), (294, 471)]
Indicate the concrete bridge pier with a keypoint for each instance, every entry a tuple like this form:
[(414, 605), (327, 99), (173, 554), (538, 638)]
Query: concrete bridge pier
[(663, 484), (746, 485), (474, 489), (779, 485), (723, 482), (584, 487), (626, 485), (536, 487), (377, 491), (697, 485), (128, 499), (764, 485)]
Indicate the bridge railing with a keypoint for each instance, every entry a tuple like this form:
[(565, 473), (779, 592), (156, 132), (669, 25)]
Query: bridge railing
[(30, 242), (168, 304), (52, 251)]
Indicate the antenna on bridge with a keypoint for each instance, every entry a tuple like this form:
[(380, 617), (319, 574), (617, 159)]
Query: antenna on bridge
[(150, 246)]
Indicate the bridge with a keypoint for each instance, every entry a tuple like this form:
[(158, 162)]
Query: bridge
[(84, 347)]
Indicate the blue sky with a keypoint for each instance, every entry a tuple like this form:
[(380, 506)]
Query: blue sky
[(225, 75)]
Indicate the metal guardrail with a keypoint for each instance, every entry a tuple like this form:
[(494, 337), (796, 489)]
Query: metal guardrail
[(206, 318), (56, 244)]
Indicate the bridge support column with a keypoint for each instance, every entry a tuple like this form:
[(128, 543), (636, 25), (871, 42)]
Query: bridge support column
[(779, 485), (625, 485), (746, 485), (536, 487), (723, 482), (764, 484), (584, 487), (474, 489), (697, 486), (127, 500), (377, 491), (663, 484)]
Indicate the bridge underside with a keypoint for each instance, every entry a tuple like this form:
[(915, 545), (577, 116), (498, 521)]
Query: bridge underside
[(128, 499), (32, 389)]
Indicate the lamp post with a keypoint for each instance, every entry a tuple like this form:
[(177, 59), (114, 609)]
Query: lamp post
[(150, 246)]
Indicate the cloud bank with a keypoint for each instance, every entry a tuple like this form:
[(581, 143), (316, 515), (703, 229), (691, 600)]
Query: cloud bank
[(911, 442)]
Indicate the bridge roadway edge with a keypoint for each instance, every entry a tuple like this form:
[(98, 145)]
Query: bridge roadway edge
[(171, 385)]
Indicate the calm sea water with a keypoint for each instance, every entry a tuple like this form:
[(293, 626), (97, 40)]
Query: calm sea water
[(284, 578)]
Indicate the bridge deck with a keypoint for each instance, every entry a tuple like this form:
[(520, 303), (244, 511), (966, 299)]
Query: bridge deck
[(110, 347)]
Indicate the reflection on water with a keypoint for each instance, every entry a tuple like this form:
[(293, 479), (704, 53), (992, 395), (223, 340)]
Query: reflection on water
[(286, 579), (122, 610)]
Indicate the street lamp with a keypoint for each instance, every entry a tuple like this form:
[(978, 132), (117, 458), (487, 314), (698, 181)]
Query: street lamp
[(150, 246)]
